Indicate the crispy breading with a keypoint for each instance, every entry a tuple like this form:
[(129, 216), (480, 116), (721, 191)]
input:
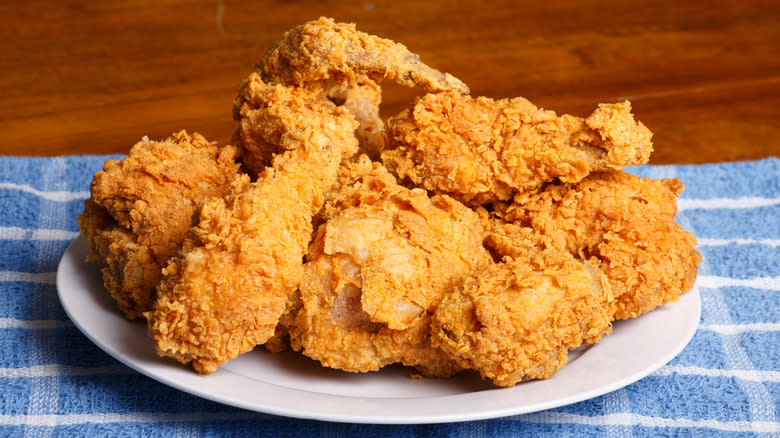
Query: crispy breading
[(519, 318), (481, 150), (141, 207), (323, 49), (228, 288), (378, 269), (624, 225), (485, 234), (344, 65), (225, 291)]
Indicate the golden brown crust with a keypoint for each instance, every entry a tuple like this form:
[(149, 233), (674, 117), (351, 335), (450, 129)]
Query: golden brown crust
[(141, 207), (336, 61), (481, 150), (518, 319), (378, 269), (625, 226), (226, 290), (323, 250), (323, 49)]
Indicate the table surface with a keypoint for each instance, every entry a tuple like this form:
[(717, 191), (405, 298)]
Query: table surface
[(94, 77)]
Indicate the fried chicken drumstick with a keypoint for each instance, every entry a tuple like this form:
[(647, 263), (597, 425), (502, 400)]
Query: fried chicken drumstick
[(323, 49), (347, 66)]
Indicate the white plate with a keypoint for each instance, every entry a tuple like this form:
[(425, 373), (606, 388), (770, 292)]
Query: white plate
[(289, 384)]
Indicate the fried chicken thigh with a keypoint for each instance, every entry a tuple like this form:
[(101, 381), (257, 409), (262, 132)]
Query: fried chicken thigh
[(481, 150), (519, 318), (140, 210), (381, 263), (622, 224)]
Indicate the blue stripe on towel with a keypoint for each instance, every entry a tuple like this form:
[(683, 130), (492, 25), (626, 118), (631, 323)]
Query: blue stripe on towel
[(65, 346), (744, 305), (742, 261), (704, 350), (710, 181), (715, 404), (38, 212), (72, 173), (745, 223), (31, 255), (758, 346), (29, 301)]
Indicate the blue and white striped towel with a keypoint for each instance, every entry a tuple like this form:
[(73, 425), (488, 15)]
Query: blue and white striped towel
[(726, 382)]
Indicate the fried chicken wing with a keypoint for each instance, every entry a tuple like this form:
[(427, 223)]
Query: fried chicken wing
[(323, 49), (225, 291), (622, 224), (141, 208), (481, 150), (346, 66), (519, 318), (380, 265)]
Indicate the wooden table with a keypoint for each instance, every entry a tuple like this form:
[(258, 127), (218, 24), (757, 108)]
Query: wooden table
[(94, 77)]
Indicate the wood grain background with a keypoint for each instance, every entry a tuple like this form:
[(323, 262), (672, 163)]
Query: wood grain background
[(94, 77)]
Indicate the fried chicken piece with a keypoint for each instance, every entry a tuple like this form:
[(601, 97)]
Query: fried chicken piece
[(141, 207), (346, 66), (622, 224), (519, 318), (361, 99), (380, 265), (225, 291), (481, 150), (323, 49)]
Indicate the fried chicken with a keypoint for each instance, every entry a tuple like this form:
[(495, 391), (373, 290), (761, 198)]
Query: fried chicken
[(141, 207), (382, 261), (323, 49), (481, 150), (519, 318), (225, 291), (622, 224), (361, 99), (347, 66), (496, 236)]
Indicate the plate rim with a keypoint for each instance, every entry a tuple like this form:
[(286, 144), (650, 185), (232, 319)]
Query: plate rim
[(182, 378)]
